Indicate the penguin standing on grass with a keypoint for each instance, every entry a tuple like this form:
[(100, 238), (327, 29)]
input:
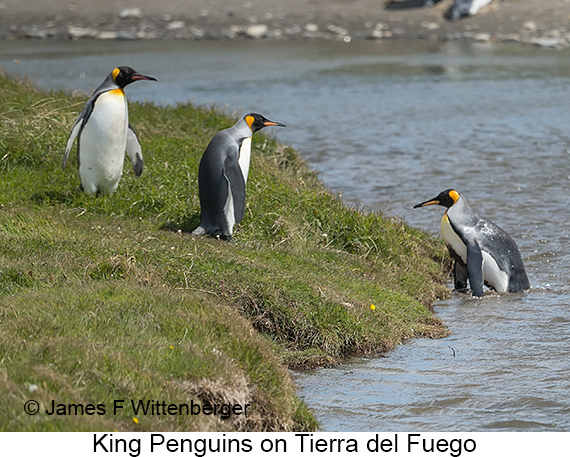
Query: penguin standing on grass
[(222, 176), (483, 253), (103, 134)]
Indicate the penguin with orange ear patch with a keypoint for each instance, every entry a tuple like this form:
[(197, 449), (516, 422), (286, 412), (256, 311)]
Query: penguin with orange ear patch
[(222, 176), (483, 252), (103, 134)]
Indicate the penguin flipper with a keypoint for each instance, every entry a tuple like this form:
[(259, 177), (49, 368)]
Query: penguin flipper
[(74, 132), (78, 127), (475, 267), (234, 175), (134, 151)]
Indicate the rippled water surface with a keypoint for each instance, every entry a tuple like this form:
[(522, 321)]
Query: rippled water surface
[(389, 125)]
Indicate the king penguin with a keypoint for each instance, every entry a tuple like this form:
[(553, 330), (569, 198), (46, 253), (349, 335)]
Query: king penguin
[(483, 253), (462, 8), (103, 134), (222, 176)]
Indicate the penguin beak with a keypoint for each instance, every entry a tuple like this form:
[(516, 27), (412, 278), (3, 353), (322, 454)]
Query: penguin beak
[(275, 124), (139, 77), (427, 203)]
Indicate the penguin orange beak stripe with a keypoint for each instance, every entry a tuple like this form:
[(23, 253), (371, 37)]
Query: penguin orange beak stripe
[(138, 77), (276, 124), (429, 202)]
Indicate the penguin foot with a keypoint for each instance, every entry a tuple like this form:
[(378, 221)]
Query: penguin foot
[(200, 231), (462, 291)]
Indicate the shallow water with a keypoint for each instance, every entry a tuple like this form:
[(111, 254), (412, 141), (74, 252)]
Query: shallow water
[(392, 124)]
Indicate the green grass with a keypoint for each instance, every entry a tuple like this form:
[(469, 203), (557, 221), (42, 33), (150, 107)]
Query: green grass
[(111, 297)]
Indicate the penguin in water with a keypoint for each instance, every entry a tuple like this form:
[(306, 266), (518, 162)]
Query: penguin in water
[(483, 253), (103, 134), (222, 176)]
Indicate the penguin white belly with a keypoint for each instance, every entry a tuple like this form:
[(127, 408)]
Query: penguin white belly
[(103, 142), (244, 157)]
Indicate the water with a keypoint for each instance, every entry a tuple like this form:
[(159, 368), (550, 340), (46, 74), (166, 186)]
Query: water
[(390, 125)]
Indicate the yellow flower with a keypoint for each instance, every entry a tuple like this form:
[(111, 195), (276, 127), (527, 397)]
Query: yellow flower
[(135, 420), (372, 307), (171, 347)]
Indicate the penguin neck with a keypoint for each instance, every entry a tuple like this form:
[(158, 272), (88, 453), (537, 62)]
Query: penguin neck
[(245, 157), (242, 132), (118, 91)]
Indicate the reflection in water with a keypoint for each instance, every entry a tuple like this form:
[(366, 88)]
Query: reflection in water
[(387, 124)]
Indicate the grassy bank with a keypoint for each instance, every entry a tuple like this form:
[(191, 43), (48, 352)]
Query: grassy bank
[(111, 298)]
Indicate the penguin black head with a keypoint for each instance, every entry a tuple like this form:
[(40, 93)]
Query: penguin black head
[(257, 122), (124, 76), (447, 198)]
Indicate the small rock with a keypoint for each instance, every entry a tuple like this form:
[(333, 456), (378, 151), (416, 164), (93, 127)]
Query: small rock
[(277, 34), (293, 31), (175, 25), (510, 38), (32, 388), (107, 35), (126, 35), (337, 29), (231, 32), (36, 32), (311, 28), (530, 26), (554, 33), (131, 13), (430, 25), (482, 37), (197, 32), (146, 35), (81, 32), (256, 30)]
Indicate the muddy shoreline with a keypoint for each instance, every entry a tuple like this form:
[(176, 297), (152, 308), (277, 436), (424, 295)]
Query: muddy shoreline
[(534, 22)]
